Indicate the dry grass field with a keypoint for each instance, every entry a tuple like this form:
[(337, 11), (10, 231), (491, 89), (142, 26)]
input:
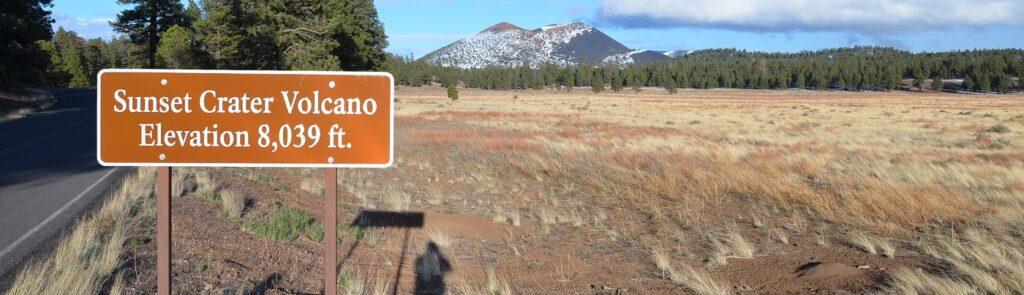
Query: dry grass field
[(544, 192)]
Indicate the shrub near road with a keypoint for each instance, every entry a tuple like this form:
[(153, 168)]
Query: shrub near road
[(88, 260)]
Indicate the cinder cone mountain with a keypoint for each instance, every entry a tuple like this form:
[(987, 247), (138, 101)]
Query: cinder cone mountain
[(508, 45)]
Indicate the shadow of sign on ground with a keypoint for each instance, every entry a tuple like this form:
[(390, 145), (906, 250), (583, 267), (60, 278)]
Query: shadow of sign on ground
[(431, 266)]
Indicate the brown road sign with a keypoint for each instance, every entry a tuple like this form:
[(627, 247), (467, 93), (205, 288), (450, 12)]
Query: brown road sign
[(244, 118)]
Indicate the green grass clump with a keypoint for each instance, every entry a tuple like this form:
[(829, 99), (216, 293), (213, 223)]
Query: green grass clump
[(998, 128), (285, 224), (211, 195), (266, 179), (261, 178), (288, 224), (357, 232), (315, 231)]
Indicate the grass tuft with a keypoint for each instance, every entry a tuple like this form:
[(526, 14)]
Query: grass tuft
[(515, 217), (313, 185), (234, 204), (872, 245), (496, 285), (916, 281), (205, 182), (693, 279), (778, 235), (442, 239), (181, 184), (998, 128), (261, 178), (351, 283), (730, 245), (863, 242), (285, 224)]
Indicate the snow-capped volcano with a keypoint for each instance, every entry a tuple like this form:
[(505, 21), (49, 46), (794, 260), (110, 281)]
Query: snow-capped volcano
[(505, 44)]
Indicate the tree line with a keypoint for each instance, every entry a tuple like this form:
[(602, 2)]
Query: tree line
[(347, 35), (208, 34), (23, 23), (853, 69)]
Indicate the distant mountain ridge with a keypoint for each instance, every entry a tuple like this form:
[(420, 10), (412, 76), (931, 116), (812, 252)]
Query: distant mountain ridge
[(508, 45)]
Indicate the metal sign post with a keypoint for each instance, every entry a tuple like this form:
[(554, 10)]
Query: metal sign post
[(163, 230), (330, 230)]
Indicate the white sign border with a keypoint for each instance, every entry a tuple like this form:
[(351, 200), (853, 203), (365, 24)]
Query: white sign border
[(391, 152)]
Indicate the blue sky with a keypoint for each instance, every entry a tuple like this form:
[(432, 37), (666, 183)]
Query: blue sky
[(420, 26)]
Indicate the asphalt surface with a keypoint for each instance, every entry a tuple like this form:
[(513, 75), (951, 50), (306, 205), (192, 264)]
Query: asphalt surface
[(48, 174)]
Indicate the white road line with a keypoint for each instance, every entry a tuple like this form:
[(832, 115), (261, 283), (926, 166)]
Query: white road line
[(39, 226)]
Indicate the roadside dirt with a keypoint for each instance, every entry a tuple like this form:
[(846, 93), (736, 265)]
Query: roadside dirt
[(580, 230)]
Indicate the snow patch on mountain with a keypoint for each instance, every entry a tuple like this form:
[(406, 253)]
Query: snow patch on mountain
[(559, 33), (622, 58), (507, 45), (675, 53), (479, 50)]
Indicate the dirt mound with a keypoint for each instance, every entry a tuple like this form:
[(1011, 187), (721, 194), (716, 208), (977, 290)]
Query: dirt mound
[(826, 271)]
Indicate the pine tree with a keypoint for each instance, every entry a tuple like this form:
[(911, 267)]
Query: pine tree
[(1008, 82), (636, 83), (584, 73), (234, 36), (984, 84), (360, 34), (616, 80), (192, 13), (890, 79), (1019, 69), (175, 50), (147, 20), (1020, 80), (937, 83), (762, 82), (68, 66), (453, 91), (842, 83), (95, 57), (780, 80), (798, 80), (569, 78), (122, 54), (726, 80), (597, 82), (818, 80), (918, 79), (538, 80), (667, 83), (1003, 83), (24, 27), (855, 80), (54, 75)]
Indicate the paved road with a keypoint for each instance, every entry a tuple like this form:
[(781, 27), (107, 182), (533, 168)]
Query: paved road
[(48, 174)]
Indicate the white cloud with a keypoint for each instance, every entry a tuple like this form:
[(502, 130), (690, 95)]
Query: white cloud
[(865, 16), (86, 27)]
